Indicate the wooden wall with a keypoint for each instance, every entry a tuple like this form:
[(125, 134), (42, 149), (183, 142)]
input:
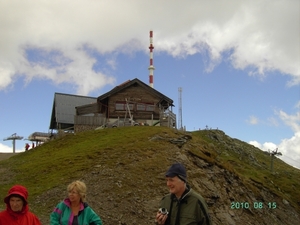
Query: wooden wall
[(135, 94), (87, 109)]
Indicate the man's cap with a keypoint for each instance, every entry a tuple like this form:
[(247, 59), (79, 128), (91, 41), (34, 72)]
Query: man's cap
[(17, 190), (177, 169)]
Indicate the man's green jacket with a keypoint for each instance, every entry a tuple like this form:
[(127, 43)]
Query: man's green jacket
[(190, 209)]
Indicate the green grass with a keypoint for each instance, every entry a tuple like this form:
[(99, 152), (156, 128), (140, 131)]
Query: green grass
[(62, 160), (58, 162)]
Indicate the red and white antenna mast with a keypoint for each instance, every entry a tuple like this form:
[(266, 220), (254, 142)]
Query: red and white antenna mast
[(151, 67)]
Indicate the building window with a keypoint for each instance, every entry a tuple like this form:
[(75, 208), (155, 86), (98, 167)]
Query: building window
[(130, 106), (144, 107), (121, 106), (150, 108), (140, 107)]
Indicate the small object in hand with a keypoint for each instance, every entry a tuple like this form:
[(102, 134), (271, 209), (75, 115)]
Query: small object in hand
[(163, 211)]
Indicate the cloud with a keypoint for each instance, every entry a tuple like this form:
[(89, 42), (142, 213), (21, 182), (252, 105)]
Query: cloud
[(253, 120), (272, 121), (7, 149), (261, 35), (293, 121), (71, 66), (289, 147), (267, 146)]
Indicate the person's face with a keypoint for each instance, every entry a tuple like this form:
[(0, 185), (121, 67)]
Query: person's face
[(175, 185), (74, 196), (16, 204)]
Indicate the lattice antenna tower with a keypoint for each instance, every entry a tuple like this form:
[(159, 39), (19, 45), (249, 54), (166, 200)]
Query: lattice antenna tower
[(180, 109)]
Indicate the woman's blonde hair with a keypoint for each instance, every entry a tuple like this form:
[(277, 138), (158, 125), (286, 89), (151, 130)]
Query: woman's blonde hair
[(80, 187)]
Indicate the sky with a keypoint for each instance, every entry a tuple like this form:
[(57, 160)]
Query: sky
[(237, 62)]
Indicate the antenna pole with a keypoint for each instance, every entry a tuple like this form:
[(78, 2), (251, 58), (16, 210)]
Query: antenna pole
[(151, 68), (180, 109)]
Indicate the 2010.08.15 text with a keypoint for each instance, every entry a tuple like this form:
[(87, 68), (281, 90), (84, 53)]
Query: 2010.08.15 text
[(254, 205)]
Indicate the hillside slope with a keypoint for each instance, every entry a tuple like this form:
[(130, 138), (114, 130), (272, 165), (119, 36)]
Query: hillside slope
[(124, 172), (4, 156)]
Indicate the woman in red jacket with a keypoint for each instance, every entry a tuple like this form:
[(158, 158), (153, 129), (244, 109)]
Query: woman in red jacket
[(17, 210)]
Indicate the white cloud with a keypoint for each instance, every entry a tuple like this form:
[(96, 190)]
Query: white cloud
[(262, 35), (253, 120), (293, 121), (267, 146), (289, 147), (76, 68), (7, 149)]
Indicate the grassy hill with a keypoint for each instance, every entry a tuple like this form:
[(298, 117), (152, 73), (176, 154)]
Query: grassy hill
[(124, 172)]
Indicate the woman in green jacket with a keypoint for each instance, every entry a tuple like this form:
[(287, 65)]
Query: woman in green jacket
[(74, 210)]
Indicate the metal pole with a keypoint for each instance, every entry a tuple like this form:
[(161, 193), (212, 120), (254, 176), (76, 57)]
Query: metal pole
[(14, 145), (272, 157)]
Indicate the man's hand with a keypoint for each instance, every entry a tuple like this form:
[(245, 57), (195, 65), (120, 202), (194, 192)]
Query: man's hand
[(160, 218)]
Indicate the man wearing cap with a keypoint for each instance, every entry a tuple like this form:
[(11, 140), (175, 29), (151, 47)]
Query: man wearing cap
[(182, 206), (17, 210)]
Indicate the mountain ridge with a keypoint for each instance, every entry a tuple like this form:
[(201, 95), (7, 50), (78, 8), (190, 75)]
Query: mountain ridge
[(124, 172)]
